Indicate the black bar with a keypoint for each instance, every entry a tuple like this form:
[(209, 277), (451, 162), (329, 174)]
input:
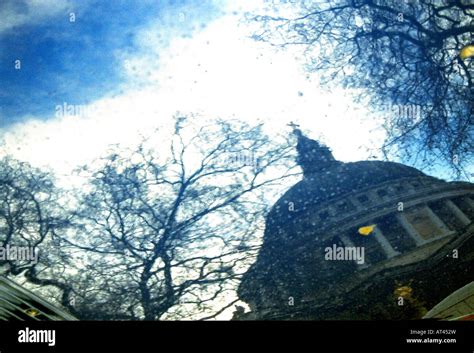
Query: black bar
[(239, 336)]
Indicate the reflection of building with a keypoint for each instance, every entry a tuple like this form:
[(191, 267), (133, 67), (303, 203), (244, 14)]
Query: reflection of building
[(459, 305), (423, 240), (18, 303)]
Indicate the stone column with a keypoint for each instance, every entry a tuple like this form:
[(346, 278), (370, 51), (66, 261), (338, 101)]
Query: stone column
[(411, 189), (457, 212), (436, 220), (412, 232), (384, 243), (348, 243), (331, 211), (470, 201), (374, 196), (357, 203)]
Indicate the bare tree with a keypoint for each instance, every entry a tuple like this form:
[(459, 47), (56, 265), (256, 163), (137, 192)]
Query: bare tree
[(30, 212), (165, 233), (403, 56)]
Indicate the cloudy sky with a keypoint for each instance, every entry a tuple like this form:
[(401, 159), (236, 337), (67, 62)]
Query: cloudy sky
[(126, 66)]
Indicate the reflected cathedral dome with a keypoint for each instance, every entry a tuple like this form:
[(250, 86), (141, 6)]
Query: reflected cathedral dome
[(417, 227)]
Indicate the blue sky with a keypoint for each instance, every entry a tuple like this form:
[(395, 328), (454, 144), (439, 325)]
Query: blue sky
[(134, 64), (77, 61)]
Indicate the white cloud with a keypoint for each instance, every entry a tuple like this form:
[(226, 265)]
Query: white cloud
[(218, 72)]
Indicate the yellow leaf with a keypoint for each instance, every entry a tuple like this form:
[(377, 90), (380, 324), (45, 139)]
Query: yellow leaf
[(366, 230), (404, 291), (32, 312), (467, 52)]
